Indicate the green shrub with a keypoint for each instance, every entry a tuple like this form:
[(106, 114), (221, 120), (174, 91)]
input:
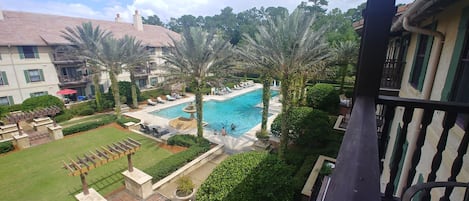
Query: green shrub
[(42, 102), (64, 116), (83, 108), (5, 109), (307, 126), (348, 93), (324, 97), (89, 125), (184, 186), (152, 93), (126, 119), (185, 140), (248, 176), (174, 162), (6, 147)]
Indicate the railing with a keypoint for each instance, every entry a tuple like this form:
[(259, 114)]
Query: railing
[(424, 118), (392, 74), (73, 79), (65, 57), (141, 72)]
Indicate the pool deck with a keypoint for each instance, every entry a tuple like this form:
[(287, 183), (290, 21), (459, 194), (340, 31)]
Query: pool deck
[(232, 144)]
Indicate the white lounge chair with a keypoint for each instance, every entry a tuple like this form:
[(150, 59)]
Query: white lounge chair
[(228, 89), (150, 102), (159, 100), (170, 98)]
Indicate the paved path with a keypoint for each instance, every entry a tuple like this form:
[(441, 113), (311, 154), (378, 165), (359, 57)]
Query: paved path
[(198, 176)]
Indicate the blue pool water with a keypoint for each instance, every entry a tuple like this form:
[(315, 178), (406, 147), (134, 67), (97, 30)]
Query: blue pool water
[(240, 110)]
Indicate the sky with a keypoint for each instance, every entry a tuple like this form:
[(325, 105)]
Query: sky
[(165, 9)]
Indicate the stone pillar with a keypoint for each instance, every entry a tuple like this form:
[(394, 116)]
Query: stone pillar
[(41, 124), (22, 141), (92, 196), (138, 182), (55, 132)]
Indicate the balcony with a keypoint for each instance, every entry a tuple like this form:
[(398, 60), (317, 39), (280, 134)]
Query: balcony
[(141, 72), (360, 162), (73, 80)]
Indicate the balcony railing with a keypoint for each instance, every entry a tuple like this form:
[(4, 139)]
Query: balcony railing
[(67, 80), (65, 57), (359, 163)]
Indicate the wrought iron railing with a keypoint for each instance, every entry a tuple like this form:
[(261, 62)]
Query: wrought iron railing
[(392, 74)]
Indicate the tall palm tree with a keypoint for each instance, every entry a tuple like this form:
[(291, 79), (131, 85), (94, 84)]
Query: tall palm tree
[(288, 43), (85, 41), (197, 55), (249, 56), (345, 54), (136, 55)]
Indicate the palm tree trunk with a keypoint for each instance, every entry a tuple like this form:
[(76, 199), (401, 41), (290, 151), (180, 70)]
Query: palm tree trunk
[(199, 106), (97, 92), (115, 93), (286, 104), (265, 104), (133, 89), (343, 72)]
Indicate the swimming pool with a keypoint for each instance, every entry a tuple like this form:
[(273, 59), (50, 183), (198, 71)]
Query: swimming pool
[(240, 111)]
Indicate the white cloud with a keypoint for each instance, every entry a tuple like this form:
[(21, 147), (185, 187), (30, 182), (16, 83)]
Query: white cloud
[(165, 9)]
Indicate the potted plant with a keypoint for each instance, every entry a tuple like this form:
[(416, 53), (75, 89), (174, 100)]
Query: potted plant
[(184, 189)]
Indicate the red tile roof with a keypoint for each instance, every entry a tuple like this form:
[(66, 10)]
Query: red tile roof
[(22, 28)]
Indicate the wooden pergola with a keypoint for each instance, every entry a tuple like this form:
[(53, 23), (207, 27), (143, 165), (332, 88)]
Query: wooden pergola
[(105, 154), (29, 115)]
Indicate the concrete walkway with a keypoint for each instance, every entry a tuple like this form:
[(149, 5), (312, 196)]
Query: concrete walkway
[(232, 144), (197, 176)]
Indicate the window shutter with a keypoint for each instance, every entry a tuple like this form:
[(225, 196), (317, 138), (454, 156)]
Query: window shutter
[(101, 88), (36, 53), (10, 100), (4, 77), (92, 89), (26, 75), (42, 74), (20, 51)]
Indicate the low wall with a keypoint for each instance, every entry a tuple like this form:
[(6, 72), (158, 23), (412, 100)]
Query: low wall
[(189, 167)]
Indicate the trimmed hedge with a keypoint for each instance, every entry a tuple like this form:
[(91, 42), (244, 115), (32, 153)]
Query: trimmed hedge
[(6, 147), (42, 102), (186, 140), (65, 116), (248, 176), (324, 97), (89, 125), (168, 165), (126, 119)]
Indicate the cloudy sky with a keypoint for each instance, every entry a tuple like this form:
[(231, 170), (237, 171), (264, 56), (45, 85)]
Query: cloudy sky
[(165, 9)]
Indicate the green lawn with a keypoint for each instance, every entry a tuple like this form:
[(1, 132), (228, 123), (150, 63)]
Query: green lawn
[(82, 120), (36, 174)]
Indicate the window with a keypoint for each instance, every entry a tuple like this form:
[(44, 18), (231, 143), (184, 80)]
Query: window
[(28, 52), (35, 75), (422, 55), (6, 100), (3, 78), (461, 81), (36, 94), (153, 81), (142, 83)]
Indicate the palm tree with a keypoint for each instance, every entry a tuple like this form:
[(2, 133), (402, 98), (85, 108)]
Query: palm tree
[(288, 44), (85, 41), (345, 54), (136, 56), (196, 56)]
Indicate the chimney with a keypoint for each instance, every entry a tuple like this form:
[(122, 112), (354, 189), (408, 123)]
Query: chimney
[(138, 24), (118, 18)]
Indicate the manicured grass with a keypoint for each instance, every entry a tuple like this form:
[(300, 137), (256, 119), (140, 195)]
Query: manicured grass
[(37, 174), (82, 120)]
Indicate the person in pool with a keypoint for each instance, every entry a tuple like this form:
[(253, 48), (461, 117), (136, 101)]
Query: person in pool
[(233, 127), (223, 131)]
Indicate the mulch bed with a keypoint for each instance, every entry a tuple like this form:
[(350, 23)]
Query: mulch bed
[(172, 148)]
